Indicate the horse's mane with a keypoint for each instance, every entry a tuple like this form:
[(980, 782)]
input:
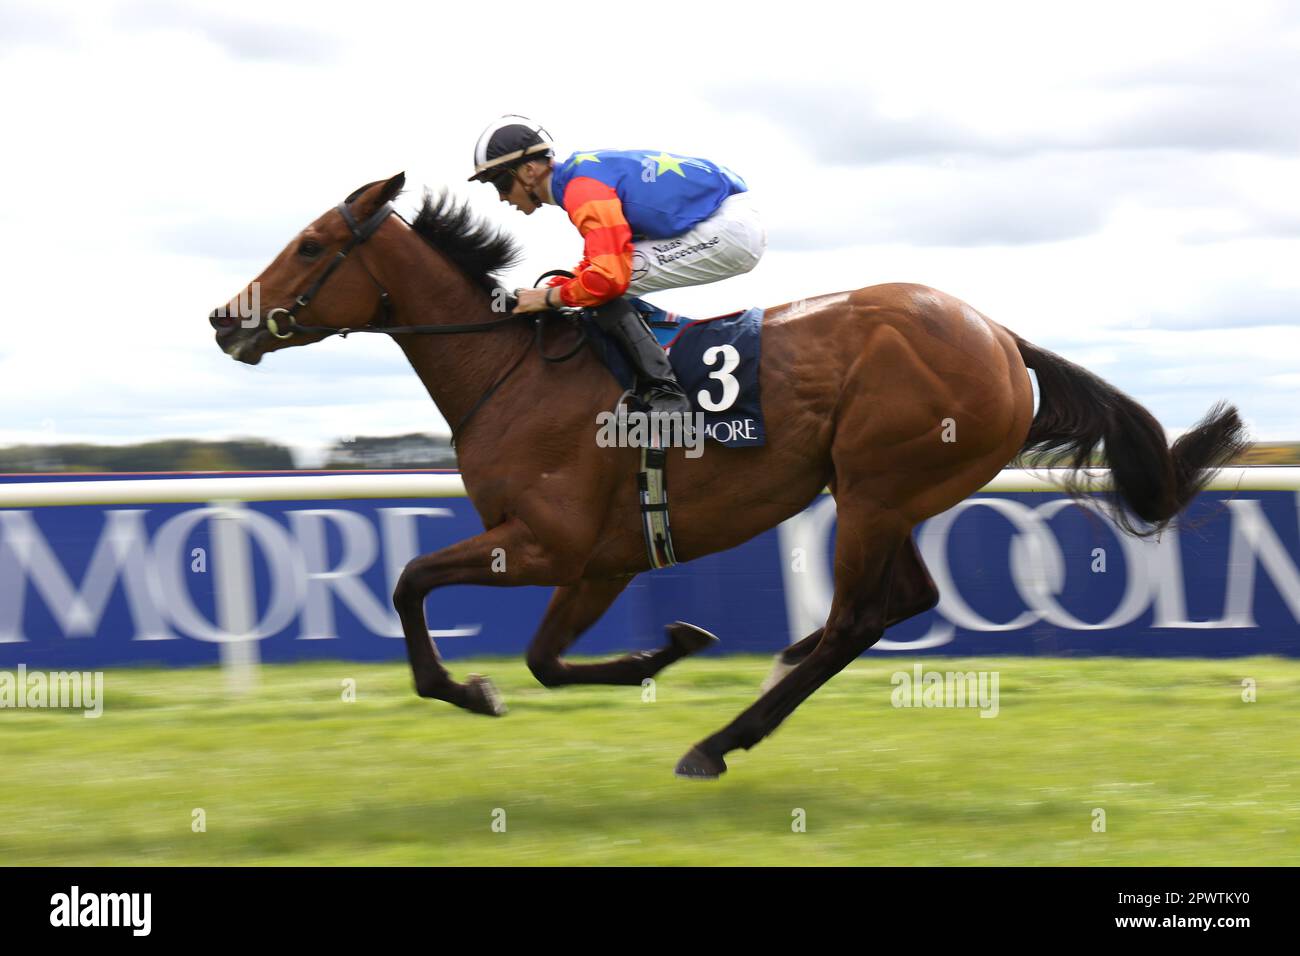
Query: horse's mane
[(475, 246)]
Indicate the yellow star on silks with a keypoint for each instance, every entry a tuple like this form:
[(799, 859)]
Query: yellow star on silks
[(581, 158), (668, 164)]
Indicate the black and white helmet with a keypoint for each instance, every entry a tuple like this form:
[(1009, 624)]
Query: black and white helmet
[(508, 142)]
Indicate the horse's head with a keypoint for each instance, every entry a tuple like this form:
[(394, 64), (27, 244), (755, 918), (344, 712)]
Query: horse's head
[(320, 280)]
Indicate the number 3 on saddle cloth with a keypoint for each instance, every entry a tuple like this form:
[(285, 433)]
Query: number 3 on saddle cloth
[(716, 361)]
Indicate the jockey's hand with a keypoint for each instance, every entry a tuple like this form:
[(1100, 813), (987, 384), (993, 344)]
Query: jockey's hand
[(534, 300)]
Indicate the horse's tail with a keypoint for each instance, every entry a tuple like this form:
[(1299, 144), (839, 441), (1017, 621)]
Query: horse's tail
[(1077, 411)]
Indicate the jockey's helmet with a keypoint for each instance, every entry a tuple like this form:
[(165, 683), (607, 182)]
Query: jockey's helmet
[(507, 143)]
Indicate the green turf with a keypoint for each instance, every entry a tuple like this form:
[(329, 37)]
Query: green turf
[(1186, 772)]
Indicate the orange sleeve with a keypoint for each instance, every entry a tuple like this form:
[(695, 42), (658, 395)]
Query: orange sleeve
[(606, 267)]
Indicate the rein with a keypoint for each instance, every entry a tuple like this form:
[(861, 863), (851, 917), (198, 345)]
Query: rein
[(535, 343), (360, 233)]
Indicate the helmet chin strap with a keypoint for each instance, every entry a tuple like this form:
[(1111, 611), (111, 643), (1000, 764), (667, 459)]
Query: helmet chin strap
[(532, 194), (528, 190)]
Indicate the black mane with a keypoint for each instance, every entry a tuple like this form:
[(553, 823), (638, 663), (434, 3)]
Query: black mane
[(476, 247)]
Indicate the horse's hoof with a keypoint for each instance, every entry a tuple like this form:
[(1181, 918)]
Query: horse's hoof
[(700, 766), (688, 638), (482, 696)]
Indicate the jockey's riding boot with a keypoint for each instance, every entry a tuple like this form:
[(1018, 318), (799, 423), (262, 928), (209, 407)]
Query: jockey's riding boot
[(655, 380)]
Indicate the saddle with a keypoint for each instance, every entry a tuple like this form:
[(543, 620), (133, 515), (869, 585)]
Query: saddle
[(716, 361)]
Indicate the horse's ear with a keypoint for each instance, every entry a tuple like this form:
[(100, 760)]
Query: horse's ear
[(373, 195), (392, 188)]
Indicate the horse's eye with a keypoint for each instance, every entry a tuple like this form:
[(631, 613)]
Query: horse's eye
[(310, 248)]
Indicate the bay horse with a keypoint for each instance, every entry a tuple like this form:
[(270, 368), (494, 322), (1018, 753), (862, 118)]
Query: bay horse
[(900, 399)]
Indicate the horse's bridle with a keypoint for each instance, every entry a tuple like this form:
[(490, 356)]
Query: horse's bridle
[(361, 231)]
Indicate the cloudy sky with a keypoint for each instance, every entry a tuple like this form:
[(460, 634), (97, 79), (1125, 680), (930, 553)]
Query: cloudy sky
[(1119, 182)]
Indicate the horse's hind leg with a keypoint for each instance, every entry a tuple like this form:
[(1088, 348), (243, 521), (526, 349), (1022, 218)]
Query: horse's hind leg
[(572, 610), (790, 658), (913, 593), (873, 556)]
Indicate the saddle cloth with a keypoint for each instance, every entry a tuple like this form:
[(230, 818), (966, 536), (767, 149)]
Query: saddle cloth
[(716, 361)]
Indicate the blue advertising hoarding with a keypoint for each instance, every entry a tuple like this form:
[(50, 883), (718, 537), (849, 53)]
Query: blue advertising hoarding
[(88, 586)]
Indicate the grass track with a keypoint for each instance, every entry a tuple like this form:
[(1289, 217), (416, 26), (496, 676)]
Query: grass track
[(1186, 772)]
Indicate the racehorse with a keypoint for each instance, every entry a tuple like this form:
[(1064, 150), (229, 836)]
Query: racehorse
[(900, 399)]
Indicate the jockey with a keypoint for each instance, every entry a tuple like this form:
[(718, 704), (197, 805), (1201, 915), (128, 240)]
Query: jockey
[(649, 220)]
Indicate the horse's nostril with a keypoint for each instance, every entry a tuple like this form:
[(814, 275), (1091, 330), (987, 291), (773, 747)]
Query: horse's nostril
[(220, 321)]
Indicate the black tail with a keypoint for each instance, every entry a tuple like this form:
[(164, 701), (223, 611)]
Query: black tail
[(1077, 411)]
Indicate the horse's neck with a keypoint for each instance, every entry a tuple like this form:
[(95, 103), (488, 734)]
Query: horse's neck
[(456, 369)]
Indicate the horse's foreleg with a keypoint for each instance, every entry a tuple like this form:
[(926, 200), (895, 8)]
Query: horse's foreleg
[(575, 608), (505, 556), (869, 546)]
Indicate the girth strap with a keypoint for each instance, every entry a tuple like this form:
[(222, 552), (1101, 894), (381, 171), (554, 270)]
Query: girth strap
[(652, 484)]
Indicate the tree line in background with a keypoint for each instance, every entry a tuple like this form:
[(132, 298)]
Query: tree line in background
[(415, 450), (1259, 453), (241, 454)]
